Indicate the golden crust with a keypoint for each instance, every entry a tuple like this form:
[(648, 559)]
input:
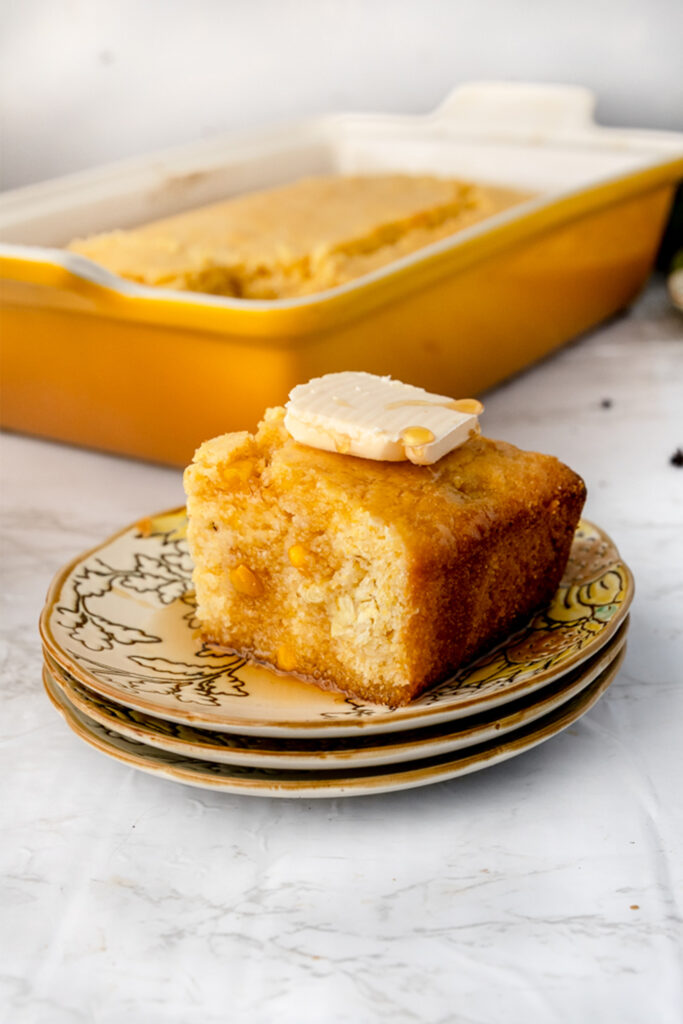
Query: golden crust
[(296, 239), (376, 578)]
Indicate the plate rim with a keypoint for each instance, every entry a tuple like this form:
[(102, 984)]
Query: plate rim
[(349, 756), (407, 717), (422, 775)]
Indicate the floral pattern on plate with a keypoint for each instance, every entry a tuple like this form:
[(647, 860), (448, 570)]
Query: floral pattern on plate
[(356, 750), (342, 782), (121, 619)]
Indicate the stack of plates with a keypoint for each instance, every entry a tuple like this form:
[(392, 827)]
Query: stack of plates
[(126, 666)]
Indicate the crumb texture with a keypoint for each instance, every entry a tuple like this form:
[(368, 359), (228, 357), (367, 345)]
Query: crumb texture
[(297, 239), (376, 579)]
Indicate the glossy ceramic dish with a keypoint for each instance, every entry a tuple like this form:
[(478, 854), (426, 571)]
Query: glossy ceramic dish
[(359, 751), (121, 620), (272, 782), (88, 357)]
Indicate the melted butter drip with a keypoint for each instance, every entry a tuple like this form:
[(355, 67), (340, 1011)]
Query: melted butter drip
[(470, 406), (416, 437)]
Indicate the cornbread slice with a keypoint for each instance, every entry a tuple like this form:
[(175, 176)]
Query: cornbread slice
[(373, 578), (296, 239)]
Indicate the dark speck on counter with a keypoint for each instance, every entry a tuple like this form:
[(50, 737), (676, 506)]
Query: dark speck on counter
[(677, 458)]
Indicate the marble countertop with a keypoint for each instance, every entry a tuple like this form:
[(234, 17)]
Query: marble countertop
[(544, 889)]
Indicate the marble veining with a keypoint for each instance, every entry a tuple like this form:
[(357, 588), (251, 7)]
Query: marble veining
[(544, 889)]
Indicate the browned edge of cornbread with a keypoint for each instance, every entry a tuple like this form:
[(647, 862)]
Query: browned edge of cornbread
[(475, 571)]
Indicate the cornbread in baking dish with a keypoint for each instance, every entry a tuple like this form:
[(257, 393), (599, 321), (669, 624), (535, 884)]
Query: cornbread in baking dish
[(373, 578), (298, 239)]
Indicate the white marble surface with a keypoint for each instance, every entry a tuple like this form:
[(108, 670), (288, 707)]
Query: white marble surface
[(547, 889)]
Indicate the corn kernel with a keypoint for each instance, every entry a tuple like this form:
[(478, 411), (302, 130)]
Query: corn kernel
[(416, 436), (298, 555), (235, 475), (245, 581), (286, 659)]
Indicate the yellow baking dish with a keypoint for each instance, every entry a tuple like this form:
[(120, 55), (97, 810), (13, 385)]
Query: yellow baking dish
[(93, 359)]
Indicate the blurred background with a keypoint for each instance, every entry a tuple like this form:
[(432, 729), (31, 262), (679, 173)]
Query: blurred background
[(84, 82)]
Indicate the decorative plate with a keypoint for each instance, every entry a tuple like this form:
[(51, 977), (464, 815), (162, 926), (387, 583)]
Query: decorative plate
[(121, 619), (356, 751), (272, 782)]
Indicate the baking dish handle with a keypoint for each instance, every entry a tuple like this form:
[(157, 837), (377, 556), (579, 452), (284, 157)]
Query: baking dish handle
[(517, 108)]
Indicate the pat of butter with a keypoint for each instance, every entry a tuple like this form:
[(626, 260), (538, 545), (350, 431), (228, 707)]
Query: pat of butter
[(379, 418)]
